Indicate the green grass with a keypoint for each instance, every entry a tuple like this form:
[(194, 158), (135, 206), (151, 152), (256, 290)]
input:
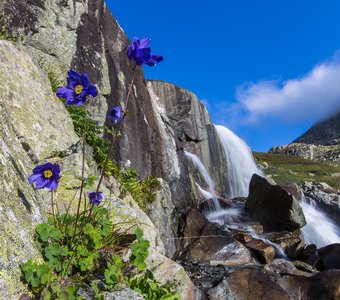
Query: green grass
[(288, 169)]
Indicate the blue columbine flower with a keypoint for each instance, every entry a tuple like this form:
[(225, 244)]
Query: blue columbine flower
[(140, 51), (95, 200), (45, 176), (77, 89), (116, 114)]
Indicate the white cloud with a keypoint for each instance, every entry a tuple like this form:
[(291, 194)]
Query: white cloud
[(311, 97)]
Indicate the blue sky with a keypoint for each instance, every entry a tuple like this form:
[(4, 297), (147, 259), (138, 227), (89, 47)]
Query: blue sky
[(266, 69)]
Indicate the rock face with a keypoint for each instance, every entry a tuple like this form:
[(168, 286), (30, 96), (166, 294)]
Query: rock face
[(273, 206), (324, 132), (30, 115), (84, 36), (163, 119), (191, 127)]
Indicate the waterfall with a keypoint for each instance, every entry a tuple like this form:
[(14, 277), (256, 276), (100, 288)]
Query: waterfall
[(240, 162), (320, 229), (207, 180)]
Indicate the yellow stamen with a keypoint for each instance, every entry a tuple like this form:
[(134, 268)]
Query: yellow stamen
[(78, 89), (48, 174)]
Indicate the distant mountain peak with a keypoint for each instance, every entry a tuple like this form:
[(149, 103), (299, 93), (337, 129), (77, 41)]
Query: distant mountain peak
[(324, 132)]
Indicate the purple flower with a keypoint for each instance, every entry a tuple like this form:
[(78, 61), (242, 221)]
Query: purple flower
[(140, 51), (95, 200), (45, 176), (116, 114), (77, 89)]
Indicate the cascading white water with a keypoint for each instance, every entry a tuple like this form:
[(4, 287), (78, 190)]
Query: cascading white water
[(206, 179), (320, 229), (240, 162), (204, 193)]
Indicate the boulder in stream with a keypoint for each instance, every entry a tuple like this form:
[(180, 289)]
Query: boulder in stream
[(273, 206)]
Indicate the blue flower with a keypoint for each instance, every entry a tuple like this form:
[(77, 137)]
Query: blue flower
[(140, 51), (45, 176), (116, 114), (77, 89), (95, 200)]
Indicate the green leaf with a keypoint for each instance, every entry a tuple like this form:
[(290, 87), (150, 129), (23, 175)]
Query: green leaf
[(139, 233), (44, 231), (90, 180), (50, 220), (56, 234), (113, 273)]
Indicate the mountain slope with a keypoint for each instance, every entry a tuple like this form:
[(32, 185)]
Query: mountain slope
[(325, 132)]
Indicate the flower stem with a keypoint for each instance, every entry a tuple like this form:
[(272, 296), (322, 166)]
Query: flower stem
[(52, 203), (82, 178), (129, 92)]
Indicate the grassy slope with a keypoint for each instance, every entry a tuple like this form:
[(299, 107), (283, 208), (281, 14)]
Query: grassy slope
[(286, 169)]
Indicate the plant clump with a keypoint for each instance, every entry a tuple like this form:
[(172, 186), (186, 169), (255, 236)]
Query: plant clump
[(85, 250)]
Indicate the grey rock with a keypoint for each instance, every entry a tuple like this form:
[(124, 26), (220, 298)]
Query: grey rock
[(263, 251), (125, 294), (284, 267), (327, 198), (295, 149), (219, 292), (325, 285), (302, 266), (191, 126), (204, 241), (162, 212), (247, 283), (296, 286), (329, 257), (34, 112), (273, 206)]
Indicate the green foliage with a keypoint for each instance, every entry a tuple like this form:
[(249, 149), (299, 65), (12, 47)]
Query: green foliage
[(113, 274), (147, 286), (83, 250), (54, 78), (142, 191), (288, 169), (37, 275), (139, 250), (74, 257)]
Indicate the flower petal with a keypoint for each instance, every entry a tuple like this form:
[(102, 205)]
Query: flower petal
[(144, 43), (92, 90), (42, 168), (73, 79), (61, 92), (154, 59), (142, 56), (85, 80), (52, 185), (33, 178), (41, 182)]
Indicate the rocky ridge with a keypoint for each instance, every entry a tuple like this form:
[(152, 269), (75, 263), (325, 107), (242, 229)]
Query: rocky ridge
[(310, 151), (320, 142)]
